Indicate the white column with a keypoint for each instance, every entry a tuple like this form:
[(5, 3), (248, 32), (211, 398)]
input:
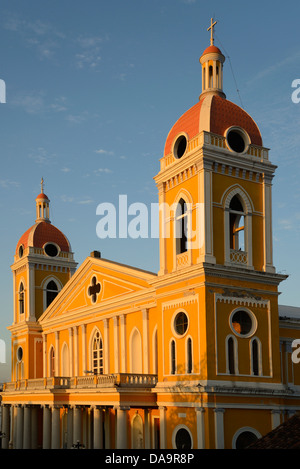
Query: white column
[(163, 429), (77, 425), (20, 426), (57, 353), (123, 342), (163, 229), (14, 426), (70, 427), (46, 427), (98, 428), (75, 334), (106, 346), (219, 428), (27, 427), (147, 429), (200, 428), (45, 356), (34, 427), (205, 213), (268, 237), (146, 341), (5, 426), (71, 351), (116, 343), (55, 433), (122, 427), (31, 293), (107, 428), (275, 418), (83, 335)]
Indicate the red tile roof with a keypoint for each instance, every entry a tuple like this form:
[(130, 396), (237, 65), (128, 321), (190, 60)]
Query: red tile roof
[(285, 436), (223, 114), (41, 233)]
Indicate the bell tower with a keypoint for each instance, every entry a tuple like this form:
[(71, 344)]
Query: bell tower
[(215, 198), (43, 264)]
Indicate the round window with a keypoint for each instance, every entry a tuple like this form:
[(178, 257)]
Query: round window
[(51, 250), (237, 140), (180, 147), (245, 439), (19, 354), (183, 439), (181, 323), (242, 323)]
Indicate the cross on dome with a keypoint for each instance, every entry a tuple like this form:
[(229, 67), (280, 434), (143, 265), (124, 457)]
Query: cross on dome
[(211, 28)]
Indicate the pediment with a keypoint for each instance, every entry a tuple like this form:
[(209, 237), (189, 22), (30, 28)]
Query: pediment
[(98, 284)]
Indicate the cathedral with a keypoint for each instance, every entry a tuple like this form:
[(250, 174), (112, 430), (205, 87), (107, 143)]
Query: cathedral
[(195, 356)]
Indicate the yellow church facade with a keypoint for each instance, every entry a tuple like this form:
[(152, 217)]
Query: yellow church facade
[(196, 356)]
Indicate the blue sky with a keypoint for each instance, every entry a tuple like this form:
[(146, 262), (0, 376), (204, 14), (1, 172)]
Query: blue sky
[(92, 90)]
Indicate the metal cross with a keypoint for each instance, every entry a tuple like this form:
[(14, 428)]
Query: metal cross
[(211, 28), (94, 289)]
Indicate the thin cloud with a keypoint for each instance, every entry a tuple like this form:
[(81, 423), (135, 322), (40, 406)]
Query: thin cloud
[(101, 151), (89, 54), (7, 184), (102, 170)]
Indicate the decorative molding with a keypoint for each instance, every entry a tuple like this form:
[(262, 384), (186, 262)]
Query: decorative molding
[(243, 298), (187, 300)]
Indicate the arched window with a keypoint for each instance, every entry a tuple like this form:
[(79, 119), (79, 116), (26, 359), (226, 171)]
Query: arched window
[(182, 438), (189, 355), (21, 299), (255, 357), (238, 228), (237, 224), (245, 438), (255, 351), (231, 365), (97, 354), (173, 357), (65, 362), (136, 352), (51, 292), (52, 362), (137, 432), (181, 227)]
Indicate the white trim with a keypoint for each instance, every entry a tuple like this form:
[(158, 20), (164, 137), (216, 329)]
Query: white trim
[(44, 287), (259, 356), (235, 355), (175, 431), (170, 357), (253, 318), (248, 211), (242, 430), (187, 355)]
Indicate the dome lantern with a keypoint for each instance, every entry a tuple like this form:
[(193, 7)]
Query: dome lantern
[(212, 61), (42, 205)]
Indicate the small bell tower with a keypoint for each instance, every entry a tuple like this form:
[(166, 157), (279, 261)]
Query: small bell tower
[(43, 264)]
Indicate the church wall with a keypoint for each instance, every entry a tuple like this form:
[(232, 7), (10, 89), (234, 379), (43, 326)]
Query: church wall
[(247, 419)]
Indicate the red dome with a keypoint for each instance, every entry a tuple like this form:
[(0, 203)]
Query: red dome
[(213, 114), (42, 196), (40, 234), (211, 49)]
